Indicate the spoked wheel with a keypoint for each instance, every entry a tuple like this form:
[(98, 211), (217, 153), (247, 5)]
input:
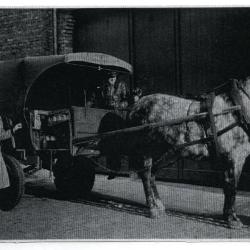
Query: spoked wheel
[(10, 196), (74, 177)]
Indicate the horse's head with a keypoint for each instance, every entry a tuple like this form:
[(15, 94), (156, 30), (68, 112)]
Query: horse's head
[(241, 96), (246, 86)]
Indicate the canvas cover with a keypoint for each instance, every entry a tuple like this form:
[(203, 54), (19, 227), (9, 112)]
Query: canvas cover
[(42, 76), (18, 76)]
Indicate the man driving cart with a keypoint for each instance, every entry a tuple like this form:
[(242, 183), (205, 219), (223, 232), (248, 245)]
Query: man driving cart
[(115, 92)]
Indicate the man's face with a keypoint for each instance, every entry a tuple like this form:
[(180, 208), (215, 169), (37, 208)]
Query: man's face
[(112, 80)]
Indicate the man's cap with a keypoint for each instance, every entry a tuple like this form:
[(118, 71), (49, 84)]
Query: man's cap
[(112, 73)]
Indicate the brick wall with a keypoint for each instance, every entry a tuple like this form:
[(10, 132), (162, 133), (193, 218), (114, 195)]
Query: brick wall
[(29, 32), (25, 32), (65, 31)]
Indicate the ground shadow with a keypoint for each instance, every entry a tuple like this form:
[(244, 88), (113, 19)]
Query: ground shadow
[(245, 220), (94, 198), (123, 205), (212, 219)]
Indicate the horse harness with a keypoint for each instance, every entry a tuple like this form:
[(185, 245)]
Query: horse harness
[(208, 124)]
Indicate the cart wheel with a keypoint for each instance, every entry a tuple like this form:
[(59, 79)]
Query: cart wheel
[(9, 197), (75, 178)]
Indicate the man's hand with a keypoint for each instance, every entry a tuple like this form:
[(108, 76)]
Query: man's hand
[(17, 127)]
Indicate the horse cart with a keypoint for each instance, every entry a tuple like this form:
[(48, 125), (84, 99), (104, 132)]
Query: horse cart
[(64, 134)]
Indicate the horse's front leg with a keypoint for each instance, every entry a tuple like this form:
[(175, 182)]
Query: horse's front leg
[(157, 198), (231, 178), (145, 175)]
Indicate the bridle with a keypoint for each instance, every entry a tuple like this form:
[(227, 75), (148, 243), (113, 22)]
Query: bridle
[(237, 85)]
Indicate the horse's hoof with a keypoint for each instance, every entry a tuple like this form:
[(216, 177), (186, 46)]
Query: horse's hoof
[(162, 212), (160, 205), (234, 222), (155, 213)]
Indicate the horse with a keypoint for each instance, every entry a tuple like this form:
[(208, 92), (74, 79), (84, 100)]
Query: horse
[(145, 146)]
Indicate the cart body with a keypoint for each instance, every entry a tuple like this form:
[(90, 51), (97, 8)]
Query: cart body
[(48, 95)]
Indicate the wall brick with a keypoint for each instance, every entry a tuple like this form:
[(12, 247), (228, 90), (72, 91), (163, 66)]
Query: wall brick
[(25, 32), (30, 32), (65, 30)]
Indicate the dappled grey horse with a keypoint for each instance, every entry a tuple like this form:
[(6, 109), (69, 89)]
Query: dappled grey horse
[(148, 144)]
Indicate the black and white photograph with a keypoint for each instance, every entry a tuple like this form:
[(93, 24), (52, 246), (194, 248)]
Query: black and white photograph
[(125, 124)]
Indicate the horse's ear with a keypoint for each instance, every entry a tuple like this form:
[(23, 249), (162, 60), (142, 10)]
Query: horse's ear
[(241, 83), (247, 80), (234, 85)]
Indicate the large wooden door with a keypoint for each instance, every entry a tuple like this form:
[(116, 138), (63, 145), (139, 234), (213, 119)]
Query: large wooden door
[(177, 51), (154, 50), (104, 31), (214, 47)]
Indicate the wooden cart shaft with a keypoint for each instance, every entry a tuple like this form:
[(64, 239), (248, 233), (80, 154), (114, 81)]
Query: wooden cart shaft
[(80, 141)]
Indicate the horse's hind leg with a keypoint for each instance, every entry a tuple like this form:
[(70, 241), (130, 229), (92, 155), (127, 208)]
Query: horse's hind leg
[(231, 178), (149, 193)]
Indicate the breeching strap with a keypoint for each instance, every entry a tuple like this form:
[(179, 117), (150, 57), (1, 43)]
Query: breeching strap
[(209, 105)]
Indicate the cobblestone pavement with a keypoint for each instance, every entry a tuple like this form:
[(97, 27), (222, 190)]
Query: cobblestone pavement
[(116, 210)]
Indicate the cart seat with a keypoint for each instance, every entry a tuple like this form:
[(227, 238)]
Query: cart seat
[(89, 152)]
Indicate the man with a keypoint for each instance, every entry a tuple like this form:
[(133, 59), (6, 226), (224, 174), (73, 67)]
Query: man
[(114, 92), (115, 95)]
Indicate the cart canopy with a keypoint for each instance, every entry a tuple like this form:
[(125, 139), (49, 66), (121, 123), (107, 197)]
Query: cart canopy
[(47, 80)]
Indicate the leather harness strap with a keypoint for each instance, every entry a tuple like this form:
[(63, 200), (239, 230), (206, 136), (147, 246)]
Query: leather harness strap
[(208, 125), (215, 150), (231, 88), (210, 128)]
